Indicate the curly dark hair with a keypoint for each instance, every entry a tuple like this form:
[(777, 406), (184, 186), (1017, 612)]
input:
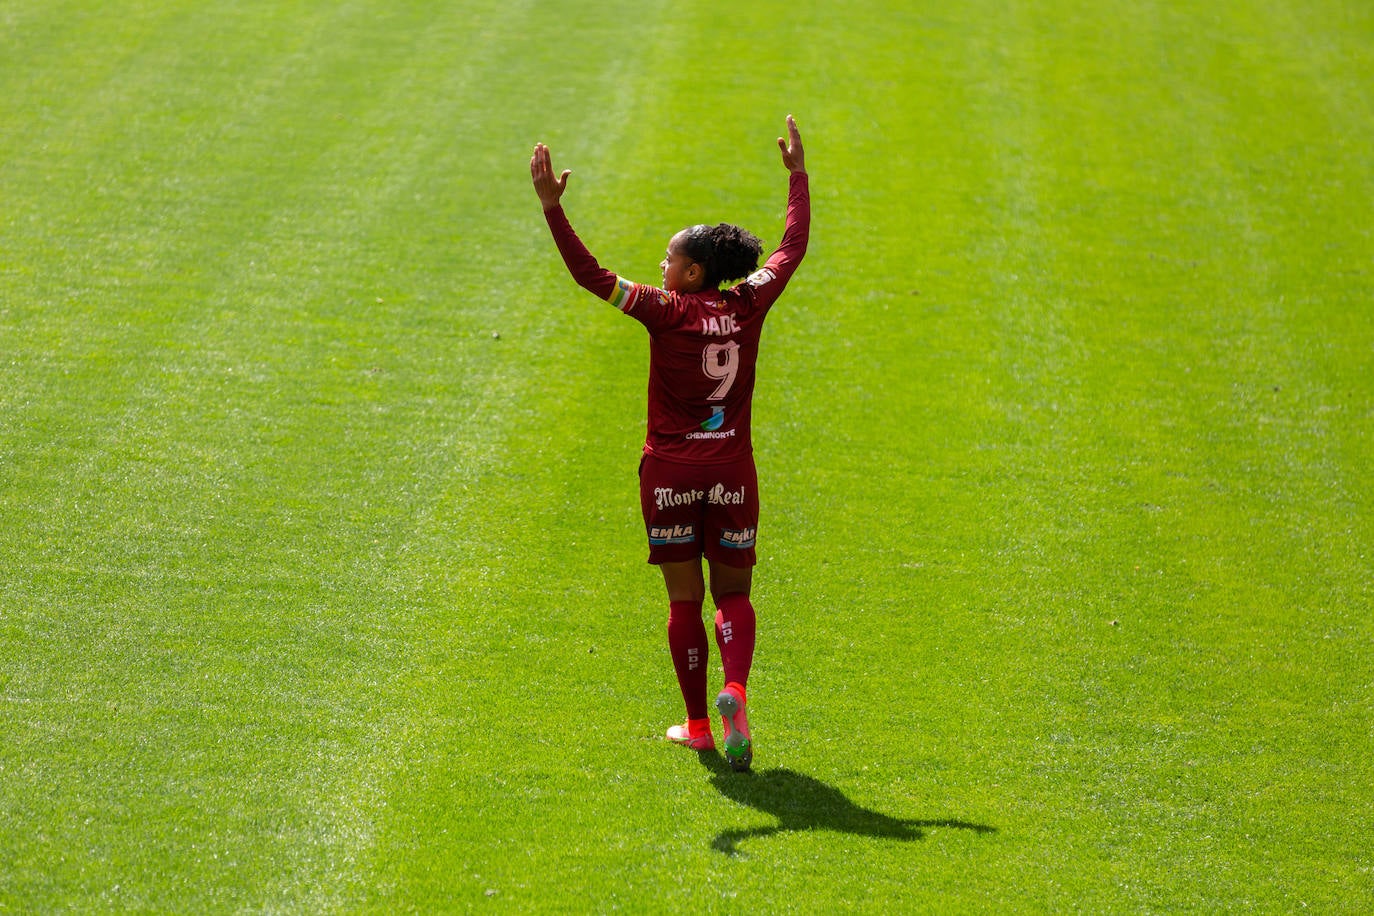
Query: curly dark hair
[(726, 252)]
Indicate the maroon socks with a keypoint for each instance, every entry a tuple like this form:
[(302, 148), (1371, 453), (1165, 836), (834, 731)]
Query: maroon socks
[(735, 636), (687, 642), (689, 647)]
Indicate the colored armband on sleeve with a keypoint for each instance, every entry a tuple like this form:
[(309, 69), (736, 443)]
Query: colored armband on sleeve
[(623, 295), (629, 296)]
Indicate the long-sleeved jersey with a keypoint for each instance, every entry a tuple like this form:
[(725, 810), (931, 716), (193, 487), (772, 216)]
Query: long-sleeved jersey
[(704, 345)]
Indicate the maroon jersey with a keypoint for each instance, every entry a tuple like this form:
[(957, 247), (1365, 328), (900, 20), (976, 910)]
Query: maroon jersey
[(703, 346)]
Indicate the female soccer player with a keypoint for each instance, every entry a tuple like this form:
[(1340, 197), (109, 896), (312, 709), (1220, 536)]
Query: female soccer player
[(698, 487)]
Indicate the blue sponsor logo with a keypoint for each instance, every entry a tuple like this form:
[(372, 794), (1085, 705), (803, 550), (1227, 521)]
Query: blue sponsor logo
[(716, 420), (662, 535), (741, 539)]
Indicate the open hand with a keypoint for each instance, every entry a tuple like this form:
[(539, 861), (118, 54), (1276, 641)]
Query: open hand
[(792, 154), (549, 188)]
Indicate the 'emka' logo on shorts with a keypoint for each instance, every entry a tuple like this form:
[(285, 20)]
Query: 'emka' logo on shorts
[(741, 539), (672, 534)]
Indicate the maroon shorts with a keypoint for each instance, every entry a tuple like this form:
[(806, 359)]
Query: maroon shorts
[(694, 510)]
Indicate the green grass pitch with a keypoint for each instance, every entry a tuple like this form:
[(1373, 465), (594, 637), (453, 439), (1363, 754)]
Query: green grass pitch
[(322, 583)]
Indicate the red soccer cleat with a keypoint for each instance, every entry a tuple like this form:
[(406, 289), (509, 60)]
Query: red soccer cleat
[(696, 734), (739, 748)]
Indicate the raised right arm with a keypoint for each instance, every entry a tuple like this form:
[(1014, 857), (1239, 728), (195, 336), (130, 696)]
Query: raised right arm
[(590, 275), (584, 268)]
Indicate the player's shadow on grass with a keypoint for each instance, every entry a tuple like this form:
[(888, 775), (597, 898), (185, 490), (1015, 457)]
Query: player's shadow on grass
[(801, 802)]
